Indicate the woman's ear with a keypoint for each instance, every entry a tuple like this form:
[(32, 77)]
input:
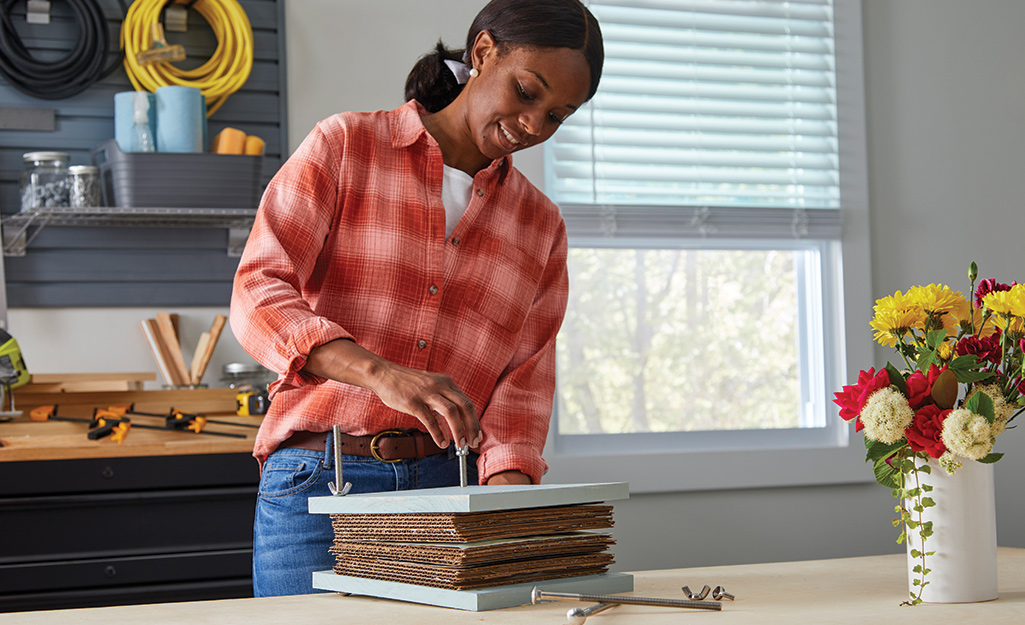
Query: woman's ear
[(483, 48)]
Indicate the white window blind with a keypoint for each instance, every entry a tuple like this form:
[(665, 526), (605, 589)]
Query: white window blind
[(714, 118)]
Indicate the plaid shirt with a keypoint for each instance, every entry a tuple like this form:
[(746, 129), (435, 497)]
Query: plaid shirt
[(349, 242)]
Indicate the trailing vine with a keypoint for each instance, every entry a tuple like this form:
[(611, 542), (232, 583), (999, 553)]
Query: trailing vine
[(912, 520)]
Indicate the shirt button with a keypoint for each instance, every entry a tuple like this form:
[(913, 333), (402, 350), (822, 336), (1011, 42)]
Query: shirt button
[(421, 344), (480, 192), (455, 241), (433, 290)]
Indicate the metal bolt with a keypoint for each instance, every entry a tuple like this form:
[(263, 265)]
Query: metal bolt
[(462, 452), (536, 594), (577, 616), (337, 491)]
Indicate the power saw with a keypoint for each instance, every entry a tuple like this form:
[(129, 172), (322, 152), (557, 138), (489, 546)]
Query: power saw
[(13, 373)]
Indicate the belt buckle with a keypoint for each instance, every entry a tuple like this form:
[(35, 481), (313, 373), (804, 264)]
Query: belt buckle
[(376, 441)]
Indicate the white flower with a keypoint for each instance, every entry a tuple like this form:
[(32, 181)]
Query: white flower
[(968, 434), (1001, 408), (950, 463), (886, 415)]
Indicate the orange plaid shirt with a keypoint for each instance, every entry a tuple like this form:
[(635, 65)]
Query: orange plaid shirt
[(349, 242)]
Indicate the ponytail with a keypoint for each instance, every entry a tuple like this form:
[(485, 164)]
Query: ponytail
[(431, 82)]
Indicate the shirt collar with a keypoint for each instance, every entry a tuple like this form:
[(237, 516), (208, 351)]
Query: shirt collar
[(407, 129)]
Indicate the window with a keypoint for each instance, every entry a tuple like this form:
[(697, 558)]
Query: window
[(713, 192)]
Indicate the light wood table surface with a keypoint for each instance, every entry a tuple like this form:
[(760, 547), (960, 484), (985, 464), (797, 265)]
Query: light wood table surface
[(849, 590)]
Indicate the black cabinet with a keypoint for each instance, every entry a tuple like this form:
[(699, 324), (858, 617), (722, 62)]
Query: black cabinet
[(110, 531)]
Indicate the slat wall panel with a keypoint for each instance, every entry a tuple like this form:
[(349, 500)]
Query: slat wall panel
[(130, 266)]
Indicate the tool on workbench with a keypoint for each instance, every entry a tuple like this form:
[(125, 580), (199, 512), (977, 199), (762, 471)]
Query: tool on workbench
[(536, 594), (250, 403), (107, 425), (99, 426), (176, 421), (180, 420), (49, 413), (13, 373)]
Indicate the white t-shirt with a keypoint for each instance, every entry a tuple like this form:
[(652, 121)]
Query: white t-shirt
[(456, 188)]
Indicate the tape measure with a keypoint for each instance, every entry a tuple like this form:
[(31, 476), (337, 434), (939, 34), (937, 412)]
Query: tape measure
[(251, 403)]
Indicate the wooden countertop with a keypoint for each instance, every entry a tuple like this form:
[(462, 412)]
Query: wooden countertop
[(848, 590), (23, 439)]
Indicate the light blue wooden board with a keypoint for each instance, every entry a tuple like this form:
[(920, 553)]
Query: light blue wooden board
[(474, 600), (470, 498)]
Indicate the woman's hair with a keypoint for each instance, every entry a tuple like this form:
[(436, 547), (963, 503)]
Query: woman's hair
[(530, 23)]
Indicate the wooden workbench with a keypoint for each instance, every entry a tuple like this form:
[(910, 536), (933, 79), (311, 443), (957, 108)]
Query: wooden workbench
[(23, 439), (164, 516), (841, 591)]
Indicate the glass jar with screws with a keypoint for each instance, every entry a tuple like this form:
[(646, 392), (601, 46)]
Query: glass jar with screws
[(84, 187), (246, 376), (44, 183)]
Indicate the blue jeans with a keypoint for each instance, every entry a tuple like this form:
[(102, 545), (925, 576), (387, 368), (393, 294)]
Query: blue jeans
[(289, 543)]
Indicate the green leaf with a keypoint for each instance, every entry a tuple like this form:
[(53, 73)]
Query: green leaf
[(927, 488), (927, 502), (935, 338), (925, 469), (876, 451), (917, 569), (967, 369), (897, 379), (991, 458), (885, 474), (926, 358), (981, 403), (915, 553)]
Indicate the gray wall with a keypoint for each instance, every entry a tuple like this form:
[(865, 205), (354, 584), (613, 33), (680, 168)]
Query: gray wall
[(945, 147)]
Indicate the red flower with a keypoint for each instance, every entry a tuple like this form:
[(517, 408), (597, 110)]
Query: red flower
[(986, 349), (925, 429), (919, 390), (852, 398), (986, 287)]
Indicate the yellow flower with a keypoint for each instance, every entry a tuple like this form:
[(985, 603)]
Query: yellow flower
[(895, 316), (941, 306), (1007, 303), (945, 350)]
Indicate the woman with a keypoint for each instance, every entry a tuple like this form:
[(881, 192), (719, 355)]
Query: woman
[(408, 283)]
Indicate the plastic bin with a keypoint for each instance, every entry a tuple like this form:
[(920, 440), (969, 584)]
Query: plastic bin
[(165, 180)]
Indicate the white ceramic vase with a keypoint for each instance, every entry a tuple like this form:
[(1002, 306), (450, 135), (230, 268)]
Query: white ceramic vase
[(964, 567)]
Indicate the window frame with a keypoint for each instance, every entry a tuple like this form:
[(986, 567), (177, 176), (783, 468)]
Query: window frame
[(766, 458)]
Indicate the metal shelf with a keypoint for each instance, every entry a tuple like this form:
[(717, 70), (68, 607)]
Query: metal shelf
[(20, 229)]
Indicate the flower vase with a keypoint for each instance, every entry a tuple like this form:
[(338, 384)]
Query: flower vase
[(964, 567)]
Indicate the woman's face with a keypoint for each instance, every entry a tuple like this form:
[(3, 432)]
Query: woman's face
[(522, 95)]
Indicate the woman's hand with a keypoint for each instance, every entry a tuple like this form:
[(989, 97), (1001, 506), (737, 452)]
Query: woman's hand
[(508, 477), (433, 398)]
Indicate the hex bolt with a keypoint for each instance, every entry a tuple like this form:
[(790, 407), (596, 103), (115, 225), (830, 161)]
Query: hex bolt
[(536, 594)]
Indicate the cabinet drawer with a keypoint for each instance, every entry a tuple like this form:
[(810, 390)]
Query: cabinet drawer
[(101, 573), (73, 527)]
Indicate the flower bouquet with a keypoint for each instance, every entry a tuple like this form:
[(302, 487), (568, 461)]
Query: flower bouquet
[(959, 386)]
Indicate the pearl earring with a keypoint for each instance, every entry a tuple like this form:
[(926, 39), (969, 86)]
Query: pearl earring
[(473, 72)]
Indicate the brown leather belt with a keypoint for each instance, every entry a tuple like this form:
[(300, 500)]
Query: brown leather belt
[(386, 446)]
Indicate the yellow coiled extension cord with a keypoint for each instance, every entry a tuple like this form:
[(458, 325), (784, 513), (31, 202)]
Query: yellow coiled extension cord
[(222, 75)]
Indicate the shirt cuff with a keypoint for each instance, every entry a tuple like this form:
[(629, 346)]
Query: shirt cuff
[(511, 457), (311, 333)]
